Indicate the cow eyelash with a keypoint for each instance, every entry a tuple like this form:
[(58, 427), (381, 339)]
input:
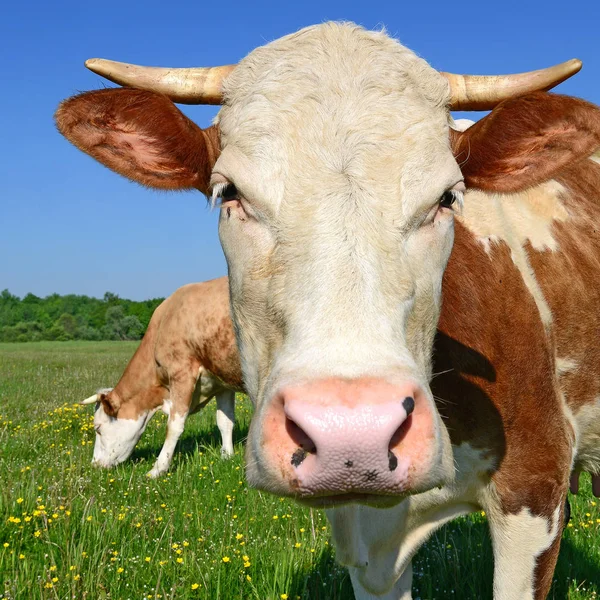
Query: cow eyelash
[(223, 192)]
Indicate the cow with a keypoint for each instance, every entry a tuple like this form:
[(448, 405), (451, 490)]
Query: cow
[(416, 307), (187, 357)]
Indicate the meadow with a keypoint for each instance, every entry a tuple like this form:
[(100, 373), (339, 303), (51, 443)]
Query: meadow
[(68, 530)]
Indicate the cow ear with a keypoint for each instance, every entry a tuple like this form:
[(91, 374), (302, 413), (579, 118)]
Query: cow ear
[(110, 403), (141, 135), (526, 141)]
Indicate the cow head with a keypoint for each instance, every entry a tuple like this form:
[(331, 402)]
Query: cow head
[(118, 426), (337, 186)]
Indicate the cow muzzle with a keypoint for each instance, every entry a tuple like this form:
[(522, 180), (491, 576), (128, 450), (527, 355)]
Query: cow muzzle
[(334, 441)]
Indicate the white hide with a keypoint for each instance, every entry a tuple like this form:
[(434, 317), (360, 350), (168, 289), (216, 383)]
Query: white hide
[(175, 427), (518, 541)]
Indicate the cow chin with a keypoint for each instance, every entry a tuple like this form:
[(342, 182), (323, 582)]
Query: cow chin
[(325, 454)]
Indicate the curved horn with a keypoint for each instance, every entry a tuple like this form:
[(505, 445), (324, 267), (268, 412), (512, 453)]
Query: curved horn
[(199, 85), (91, 400), (484, 92)]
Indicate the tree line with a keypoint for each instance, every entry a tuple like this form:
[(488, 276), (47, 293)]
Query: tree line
[(73, 317)]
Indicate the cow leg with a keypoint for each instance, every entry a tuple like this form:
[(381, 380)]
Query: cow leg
[(526, 548), (181, 397), (226, 421)]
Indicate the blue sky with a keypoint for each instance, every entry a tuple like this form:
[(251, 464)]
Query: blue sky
[(69, 225)]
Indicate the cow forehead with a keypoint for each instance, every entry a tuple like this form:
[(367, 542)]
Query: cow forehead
[(335, 99)]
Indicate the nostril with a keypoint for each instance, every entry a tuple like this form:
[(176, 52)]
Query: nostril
[(409, 405), (392, 460), (298, 457), (400, 434), (300, 439)]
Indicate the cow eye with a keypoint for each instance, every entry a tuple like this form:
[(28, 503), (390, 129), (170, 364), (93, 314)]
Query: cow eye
[(448, 199), (227, 193)]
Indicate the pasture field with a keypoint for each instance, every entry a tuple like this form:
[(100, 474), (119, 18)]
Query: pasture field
[(68, 530)]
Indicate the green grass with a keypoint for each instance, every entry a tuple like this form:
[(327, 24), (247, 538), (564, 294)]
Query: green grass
[(70, 531)]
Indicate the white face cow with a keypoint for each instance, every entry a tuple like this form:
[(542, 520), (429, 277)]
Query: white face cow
[(116, 437), (337, 186)]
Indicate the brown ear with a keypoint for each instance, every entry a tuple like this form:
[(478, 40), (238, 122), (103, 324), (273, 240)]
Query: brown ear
[(141, 135), (526, 141), (110, 403)]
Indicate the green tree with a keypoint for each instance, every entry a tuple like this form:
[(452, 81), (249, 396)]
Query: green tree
[(72, 316), (68, 323)]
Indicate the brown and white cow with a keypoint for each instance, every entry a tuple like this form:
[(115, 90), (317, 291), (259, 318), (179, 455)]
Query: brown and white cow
[(187, 357), (346, 228)]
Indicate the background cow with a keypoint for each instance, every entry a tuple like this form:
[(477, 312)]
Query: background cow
[(187, 357), (341, 186)]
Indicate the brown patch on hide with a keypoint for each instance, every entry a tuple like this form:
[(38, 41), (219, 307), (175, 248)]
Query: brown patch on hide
[(189, 330), (500, 384), (196, 331), (504, 390), (569, 280), (497, 384)]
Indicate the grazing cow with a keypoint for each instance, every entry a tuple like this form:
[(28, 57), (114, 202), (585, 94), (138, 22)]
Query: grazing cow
[(187, 357), (351, 212)]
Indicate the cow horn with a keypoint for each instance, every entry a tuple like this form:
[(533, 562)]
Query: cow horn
[(91, 400), (199, 85), (484, 92)]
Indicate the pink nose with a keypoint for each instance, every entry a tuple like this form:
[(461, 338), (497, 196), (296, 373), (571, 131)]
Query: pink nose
[(337, 436)]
